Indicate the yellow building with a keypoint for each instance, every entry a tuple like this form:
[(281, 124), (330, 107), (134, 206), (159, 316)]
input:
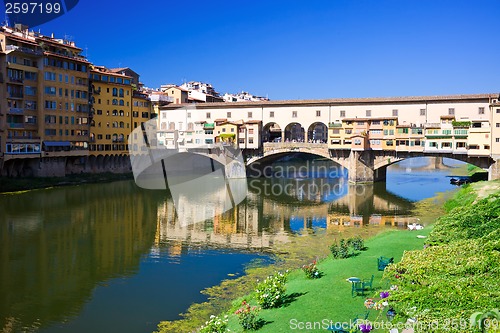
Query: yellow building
[(177, 95), (226, 131), (141, 110), (112, 112), (45, 96)]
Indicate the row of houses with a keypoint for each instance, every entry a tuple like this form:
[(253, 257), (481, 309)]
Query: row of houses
[(446, 136), (458, 124)]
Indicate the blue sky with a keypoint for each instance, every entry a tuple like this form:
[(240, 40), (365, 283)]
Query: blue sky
[(296, 49)]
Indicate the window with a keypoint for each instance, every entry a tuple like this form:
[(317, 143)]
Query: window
[(189, 114), (368, 113), (342, 113), (498, 124), (271, 114), (294, 114), (422, 112), (250, 140), (451, 111), (50, 90), (50, 76), (394, 113), (208, 115), (250, 131), (481, 110), (229, 115), (376, 122), (497, 140), (498, 110), (224, 130), (249, 115), (318, 113), (30, 91), (115, 92)]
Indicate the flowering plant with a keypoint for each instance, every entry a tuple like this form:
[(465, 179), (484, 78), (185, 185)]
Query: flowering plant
[(247, 316), (312, 272), (369, 303), (365, 328), (215, 325), (271, 292), (384, 294)]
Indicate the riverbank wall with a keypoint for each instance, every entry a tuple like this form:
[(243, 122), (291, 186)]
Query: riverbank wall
[(64, 166)]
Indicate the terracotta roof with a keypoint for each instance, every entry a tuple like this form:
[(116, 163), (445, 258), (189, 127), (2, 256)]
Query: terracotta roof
[(220, 119), (447, 117), (253, 122), (353, 101)]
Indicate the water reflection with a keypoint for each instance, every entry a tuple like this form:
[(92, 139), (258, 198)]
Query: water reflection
[(69, 255), (57, 245)]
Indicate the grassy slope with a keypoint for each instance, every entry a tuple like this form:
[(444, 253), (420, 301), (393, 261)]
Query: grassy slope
[(330, 297)]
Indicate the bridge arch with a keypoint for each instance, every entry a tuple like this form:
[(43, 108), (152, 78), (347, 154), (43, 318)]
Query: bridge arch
[(271, 132), (317, 132), (294, 132), (384, 160)]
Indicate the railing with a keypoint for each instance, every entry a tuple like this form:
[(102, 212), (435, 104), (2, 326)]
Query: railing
[(15, 80), (16, 125), (293, 145), (209, 126), (23, 49), (335, 125), (15, 111), (13, 95)]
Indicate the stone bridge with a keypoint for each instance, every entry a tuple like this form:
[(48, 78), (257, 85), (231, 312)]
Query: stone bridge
[(363, 166)]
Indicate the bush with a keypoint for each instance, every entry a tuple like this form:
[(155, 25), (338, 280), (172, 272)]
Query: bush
[(215, 325), (248, 316), (271, 292), (357, 243), (340, 250), (311, 270)]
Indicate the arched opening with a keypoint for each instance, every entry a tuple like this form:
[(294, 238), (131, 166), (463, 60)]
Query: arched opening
[(294, 132), (271, 133), (317, 133)]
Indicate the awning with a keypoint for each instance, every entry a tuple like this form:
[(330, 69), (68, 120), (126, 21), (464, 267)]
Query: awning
[(57, 143)]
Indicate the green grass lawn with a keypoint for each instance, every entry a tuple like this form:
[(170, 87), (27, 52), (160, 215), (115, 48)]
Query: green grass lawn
[(329, 298)]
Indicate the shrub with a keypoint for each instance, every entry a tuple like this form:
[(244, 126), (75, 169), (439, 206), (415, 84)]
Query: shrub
[(248, 316), (311, 270), (271, 292), (357, 243), (340, 250), (215, 325)]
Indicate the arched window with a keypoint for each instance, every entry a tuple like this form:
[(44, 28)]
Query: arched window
[(121, 102), (171, 125), (115, 101), (121, 92), (190, 126), (115, 92), (122, 124)]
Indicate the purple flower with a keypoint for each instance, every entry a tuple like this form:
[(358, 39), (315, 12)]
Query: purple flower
[(365, 328), (384, 294)]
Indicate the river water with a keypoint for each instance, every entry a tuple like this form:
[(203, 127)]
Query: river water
[(115, 258)]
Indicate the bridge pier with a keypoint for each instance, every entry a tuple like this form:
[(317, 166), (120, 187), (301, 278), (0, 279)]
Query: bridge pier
[(362, 168), (494, 170)]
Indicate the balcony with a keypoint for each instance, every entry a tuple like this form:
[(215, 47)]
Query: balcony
[(16, 95), (23, 49), (335, 125), (16, 125), (15, 80), (15, 111)]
